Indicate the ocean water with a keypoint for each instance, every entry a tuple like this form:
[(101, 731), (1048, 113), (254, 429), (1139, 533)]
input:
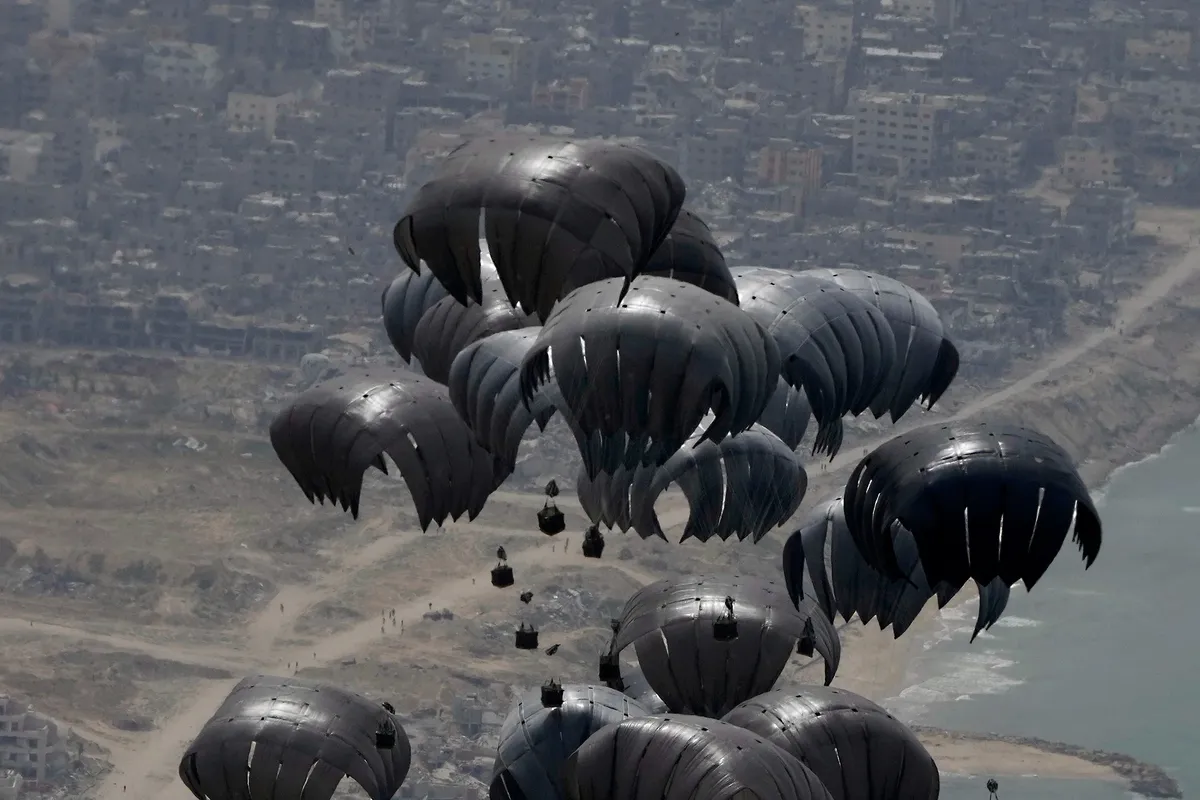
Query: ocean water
[(1105, 658)]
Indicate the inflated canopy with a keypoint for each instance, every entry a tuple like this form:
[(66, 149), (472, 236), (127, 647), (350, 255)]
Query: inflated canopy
[(680, 757), (485, 388), (329, 435), (535, 741), (688, 254), (671, 626), (639, 370), (982, 501), (821, 561), (927, 360), (293, 738), (858, 750), (836, 346), (405, 301), (449, 327), (742, 486), (545, 207)]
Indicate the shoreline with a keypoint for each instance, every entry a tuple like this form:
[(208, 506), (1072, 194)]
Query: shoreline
[(1113, 401)]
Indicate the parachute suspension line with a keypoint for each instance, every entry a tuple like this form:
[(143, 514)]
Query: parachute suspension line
[(1000, 538)]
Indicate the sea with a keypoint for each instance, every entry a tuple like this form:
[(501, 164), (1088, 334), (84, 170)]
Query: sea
[(1105, 658)]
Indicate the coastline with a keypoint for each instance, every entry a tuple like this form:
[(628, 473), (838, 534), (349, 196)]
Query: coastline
[(1113, 402)]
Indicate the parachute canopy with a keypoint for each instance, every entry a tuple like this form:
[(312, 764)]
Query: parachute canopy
[(982, 501), (535, 741), (671, 626), (678, 757), (329, 435), (926, 360), (688, 254), (743, 485), (405, 301), (545, 208), (857, 749), (638, 371), (299, 738), (821, 561), (485, 388), (836, 346), (448, 327)]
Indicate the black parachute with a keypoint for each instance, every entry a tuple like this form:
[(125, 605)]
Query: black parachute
[(742, 486), (688, 254), (836, 346), (290, 738), (677, 757), (535, 741), (983, 501), (331, 434), (449, 327), (672, 626), (638, 371), (857, 749), (926, 361), (821, 561), (485, 387), (545, 208), (405, 301)]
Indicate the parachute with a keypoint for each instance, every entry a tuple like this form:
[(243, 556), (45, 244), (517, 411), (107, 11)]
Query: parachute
[(834, 345), (982, 501), (329, 435), (821, 561), (405, 301), (290, 737), (688, 254), (448, 327), (485, 388), (744, 486), (677, 757), (671, 625), (857, 749), (926, 360), (545, 208), (535, 741), (639, 370)]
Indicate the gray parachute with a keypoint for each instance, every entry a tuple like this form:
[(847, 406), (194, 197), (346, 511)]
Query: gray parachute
[(535, 741), (677, 757), (545, 208), (449, 327), (858, 750), (290, 737), (332, 433), (688, 254), (982, 501), (927, 360), (742, 486), (485, 388), (836, 346), (671, 625), (821, 561), (405, 301), (639, 370)]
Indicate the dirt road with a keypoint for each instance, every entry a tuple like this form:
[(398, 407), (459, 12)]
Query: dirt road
[(145, 770)]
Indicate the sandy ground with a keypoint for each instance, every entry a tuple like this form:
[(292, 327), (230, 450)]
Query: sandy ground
[(873, 664)]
